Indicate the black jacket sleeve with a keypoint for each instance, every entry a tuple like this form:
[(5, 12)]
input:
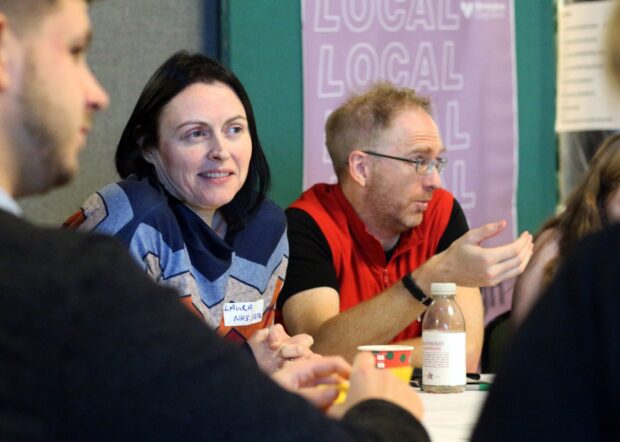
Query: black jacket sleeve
[(559, 380), (92, 349)]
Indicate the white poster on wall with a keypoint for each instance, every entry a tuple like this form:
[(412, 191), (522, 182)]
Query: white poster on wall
[(584, 99)]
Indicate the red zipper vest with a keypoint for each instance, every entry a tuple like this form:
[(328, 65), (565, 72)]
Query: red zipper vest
[(359, 259)]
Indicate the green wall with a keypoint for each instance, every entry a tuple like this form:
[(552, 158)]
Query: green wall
[(261, 41), (538, 185)]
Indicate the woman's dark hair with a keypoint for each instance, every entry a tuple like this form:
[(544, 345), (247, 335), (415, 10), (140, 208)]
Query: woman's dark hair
[(142, 130), (585, 207)]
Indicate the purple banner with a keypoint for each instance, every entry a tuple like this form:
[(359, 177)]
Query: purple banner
[(460, 53)]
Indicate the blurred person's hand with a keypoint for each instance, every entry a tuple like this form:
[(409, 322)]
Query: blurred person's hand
[(369, 382), (315, 379)]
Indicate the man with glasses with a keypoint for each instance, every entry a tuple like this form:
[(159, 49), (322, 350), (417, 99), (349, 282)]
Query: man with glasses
[(364, 251)]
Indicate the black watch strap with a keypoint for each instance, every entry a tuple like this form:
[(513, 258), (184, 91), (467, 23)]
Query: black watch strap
[(416, 291)]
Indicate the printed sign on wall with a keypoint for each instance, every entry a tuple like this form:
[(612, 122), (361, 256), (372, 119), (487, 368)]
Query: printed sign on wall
[(585, 98)]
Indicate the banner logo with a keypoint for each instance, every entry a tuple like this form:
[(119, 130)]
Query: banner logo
[(484, 10)]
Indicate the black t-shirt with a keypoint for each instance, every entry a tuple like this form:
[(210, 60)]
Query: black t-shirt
[(310, 257)]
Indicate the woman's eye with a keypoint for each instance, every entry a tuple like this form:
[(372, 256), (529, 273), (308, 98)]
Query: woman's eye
[(197, 133), (235, 130)]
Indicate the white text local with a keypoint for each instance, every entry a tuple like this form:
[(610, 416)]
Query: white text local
[(391, 15), (420, 65)]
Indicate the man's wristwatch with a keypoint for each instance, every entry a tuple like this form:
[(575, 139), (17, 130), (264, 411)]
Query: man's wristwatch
[(416, 291)]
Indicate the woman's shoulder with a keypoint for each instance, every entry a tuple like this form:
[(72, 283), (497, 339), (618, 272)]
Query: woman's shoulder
[(117, 204), (546, 249), (531, 283), (547, 244), (140, 191)]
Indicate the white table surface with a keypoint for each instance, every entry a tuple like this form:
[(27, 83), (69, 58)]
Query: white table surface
[(451, 417)]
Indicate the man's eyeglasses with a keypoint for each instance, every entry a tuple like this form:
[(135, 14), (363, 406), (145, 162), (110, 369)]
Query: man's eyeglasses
[(422, 166)]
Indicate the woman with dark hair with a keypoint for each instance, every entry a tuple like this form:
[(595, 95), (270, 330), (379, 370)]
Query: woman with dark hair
[(593, 205), (192, 204)]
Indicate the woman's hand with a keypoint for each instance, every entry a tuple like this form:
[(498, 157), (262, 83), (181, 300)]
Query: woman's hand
[(272, 347)]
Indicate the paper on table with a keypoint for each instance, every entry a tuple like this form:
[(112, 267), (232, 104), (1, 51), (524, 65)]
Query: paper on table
[(452, 417)]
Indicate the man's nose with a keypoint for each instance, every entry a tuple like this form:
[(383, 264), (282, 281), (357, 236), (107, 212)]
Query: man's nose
[(96, 96), (433, 179)]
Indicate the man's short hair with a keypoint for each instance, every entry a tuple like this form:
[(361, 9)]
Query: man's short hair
[(23, 14), (362, 118)]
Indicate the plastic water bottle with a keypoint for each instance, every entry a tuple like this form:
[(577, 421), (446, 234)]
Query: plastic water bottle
[(443, 342)]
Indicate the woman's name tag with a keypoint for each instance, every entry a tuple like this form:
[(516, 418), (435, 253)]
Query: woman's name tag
[(243, 313)]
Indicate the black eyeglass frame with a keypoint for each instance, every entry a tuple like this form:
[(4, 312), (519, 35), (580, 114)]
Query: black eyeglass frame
[(439, 163)]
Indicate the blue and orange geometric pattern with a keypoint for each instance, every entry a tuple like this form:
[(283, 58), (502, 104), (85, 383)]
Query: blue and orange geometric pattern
[(178, 249)]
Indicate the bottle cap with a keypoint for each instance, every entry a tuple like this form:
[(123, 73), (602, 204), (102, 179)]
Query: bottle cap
[(443, 288)]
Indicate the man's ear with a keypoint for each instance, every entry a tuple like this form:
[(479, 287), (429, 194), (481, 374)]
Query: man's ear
[(4, 51), (358, 167)]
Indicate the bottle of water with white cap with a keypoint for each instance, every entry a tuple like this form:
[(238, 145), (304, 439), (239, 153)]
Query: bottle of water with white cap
[(443, 342)]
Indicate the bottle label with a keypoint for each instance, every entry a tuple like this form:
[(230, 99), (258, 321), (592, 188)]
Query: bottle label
[(444, 358)]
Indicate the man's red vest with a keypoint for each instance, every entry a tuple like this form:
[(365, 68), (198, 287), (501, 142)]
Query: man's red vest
[(359, 259)]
